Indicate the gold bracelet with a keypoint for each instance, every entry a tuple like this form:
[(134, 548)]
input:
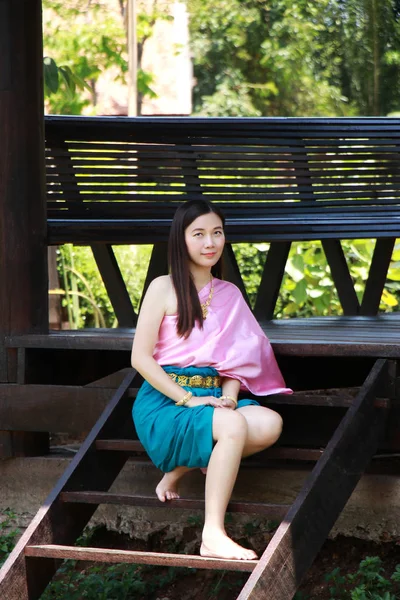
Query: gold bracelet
[(185, 399), (226, 397)]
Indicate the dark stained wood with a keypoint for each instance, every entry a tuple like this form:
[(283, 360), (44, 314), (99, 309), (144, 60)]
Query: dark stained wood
[(140, 558), (324, 494), (318, 336), (232, 272), (74, 409), (70, 409), (377, 276), (5, 46), (301, 454), (341, 276), (57, 522), (271, 280), (158, 264), (111, 381), (273, 511), (23, 227), (6, 444), (115, 285)]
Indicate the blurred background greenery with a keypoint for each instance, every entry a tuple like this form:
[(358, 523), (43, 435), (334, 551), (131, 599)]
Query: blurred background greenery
[(250, 58)]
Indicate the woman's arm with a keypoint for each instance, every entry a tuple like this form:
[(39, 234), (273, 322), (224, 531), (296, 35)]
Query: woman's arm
[(148, 325), (230, 387), (149, 321)]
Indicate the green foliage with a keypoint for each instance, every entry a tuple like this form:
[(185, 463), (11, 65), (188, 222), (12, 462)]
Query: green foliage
[(84, 42), (307, 289), (367, 583), (83, 292), (56, 75), (8, 533), (115, 582), (273, 58)]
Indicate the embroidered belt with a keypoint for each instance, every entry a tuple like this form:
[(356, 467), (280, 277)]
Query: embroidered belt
[(196, 380)]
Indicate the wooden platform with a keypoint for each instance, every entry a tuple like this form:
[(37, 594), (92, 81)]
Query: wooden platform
[(319, 336)]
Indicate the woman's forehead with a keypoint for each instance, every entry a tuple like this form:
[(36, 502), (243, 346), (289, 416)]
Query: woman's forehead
[(207, 221)]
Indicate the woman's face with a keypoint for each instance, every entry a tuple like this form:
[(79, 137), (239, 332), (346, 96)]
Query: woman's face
[(205, 240)]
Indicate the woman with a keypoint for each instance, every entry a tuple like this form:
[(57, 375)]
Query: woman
[(197, 345)]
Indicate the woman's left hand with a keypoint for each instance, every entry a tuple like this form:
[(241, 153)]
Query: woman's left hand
[(227, 403)]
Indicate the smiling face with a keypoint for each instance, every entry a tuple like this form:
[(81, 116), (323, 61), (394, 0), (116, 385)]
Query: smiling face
[(205, 240)]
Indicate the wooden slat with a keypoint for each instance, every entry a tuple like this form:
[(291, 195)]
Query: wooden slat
[(271, 280), (232, 271), (144, 558), (341, 276), (274, 452), (158, 264), (324, 494), (115, 284), (273, 511), (377, 276)]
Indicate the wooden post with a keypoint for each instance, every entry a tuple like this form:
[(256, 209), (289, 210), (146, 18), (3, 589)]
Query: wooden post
[(23, 245)]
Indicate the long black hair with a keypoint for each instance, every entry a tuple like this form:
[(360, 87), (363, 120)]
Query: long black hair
[(189, 309)]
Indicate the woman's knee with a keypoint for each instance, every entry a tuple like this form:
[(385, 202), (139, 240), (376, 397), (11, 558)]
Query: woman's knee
[(229, 424), (266, 428), (275, 426)]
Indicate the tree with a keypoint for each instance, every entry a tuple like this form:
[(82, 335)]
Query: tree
[(279, 57), (254, 57)]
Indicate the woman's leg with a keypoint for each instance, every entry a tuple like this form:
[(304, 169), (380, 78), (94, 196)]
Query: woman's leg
[(167, 488), (264, 426), (230, 434)]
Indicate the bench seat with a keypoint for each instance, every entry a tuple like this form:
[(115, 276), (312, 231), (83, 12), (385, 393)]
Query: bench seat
[(317, 336)]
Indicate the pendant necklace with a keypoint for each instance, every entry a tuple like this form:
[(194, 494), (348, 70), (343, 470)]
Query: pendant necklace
[(206, 304)]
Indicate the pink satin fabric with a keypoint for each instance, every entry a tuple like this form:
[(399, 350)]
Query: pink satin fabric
[(231, 341)]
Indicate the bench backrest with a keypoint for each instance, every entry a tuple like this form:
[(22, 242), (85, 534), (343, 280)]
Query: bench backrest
[(276, 178)]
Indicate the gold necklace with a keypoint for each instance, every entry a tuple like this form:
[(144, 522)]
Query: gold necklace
[(206, 304)]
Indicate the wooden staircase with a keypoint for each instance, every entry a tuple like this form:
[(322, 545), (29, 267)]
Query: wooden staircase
[(304, 526)]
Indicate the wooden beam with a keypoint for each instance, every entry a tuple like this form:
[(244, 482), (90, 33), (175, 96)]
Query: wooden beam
[(271, 280), (55, 408), (377, 276), (164, 559), (158, 265), (232, 272), (324, 494), (341, 276), (23, 226), (115, 285)]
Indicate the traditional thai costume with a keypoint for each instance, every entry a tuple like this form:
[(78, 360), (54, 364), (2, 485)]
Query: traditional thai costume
[(230, 344)]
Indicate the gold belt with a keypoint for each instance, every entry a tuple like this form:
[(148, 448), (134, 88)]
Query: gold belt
[(196, 380)]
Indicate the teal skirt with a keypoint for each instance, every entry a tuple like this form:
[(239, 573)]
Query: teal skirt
[(177, 436)]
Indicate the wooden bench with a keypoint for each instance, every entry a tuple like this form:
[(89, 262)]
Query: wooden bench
[(119, 181)]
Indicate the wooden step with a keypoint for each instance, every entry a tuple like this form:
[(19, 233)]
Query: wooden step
[(145, 558), (277, 452), (274, 511)]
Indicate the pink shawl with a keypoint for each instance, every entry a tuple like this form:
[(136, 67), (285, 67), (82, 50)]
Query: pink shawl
[(231, 341)]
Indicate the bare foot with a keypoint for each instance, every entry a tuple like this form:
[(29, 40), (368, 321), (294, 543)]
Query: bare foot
[(219, 545), (204, 470), (167, 488)]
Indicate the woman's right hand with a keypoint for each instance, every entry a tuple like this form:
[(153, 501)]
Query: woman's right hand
[(206, 401)]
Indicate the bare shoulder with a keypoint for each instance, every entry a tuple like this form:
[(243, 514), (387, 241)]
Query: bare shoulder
[(160, 285)]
